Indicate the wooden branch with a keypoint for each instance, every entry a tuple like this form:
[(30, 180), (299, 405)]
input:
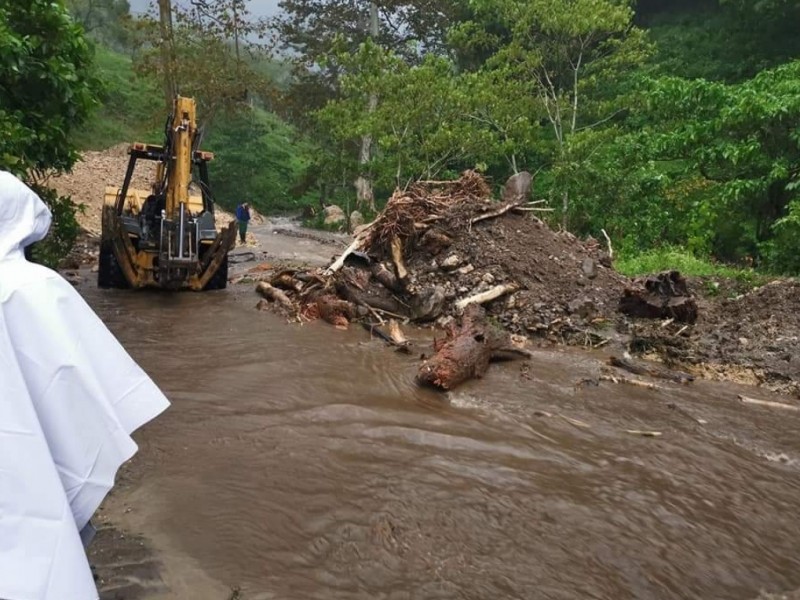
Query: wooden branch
[(608, 243), (356, 245), (487, 296), (635, 382), (644, 433), (495, 213), (274, 294), (397, 258), (768, 403)]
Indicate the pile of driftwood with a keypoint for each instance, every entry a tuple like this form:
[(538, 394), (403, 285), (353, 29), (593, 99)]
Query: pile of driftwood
[(370, 282)]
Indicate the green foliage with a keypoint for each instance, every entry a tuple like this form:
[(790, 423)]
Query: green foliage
[(103, 20), (130, 107), (667, 258), (208, 51), (64, 228), (257, 159), (45, 86), (46, 92)]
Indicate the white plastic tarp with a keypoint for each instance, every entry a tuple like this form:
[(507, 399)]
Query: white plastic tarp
[(69, 398)]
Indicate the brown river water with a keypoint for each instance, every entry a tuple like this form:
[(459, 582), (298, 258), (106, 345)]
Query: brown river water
[(301, 462)]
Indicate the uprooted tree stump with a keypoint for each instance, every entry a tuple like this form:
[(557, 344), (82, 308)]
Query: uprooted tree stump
[(661, 296), (466, 351)]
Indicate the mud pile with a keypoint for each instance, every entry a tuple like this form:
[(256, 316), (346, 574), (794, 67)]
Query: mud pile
[(751, 338), (438, 246)]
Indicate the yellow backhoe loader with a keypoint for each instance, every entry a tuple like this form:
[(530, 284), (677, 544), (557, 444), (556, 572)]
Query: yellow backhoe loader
[(166, 237)]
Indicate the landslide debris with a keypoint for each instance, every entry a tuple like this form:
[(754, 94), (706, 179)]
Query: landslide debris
[(440, 245)]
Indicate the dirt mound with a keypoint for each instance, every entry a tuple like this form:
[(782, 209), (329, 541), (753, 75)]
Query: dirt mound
[(87, 181), (752, 338), (439, 246)]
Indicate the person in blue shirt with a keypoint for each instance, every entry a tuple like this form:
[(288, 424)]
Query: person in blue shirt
[(243, 217)]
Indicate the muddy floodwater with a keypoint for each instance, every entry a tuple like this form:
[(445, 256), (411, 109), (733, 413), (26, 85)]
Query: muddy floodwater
[(300, 462)]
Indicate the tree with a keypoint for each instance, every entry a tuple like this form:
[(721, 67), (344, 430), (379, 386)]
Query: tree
[(743, 141), (316, 32), (45, 93), (206, 49), (104, 20), (570, 53)]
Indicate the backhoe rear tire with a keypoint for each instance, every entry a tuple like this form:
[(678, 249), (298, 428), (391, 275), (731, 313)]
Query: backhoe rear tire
[(109, 273), (220, 279)]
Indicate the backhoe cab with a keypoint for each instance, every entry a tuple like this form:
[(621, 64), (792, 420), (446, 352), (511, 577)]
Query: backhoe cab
[(166, 236)]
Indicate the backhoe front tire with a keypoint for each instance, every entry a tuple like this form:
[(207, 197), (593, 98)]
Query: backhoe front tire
[(220, 279), (109, 273)]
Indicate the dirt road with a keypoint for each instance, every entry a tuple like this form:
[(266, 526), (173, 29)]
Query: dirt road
[(301, 462)]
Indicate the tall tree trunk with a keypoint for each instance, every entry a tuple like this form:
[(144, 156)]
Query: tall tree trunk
[(167, 51), (364, 192)]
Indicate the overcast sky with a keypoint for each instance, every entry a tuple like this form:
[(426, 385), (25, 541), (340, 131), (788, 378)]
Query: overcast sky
[(259, 8)]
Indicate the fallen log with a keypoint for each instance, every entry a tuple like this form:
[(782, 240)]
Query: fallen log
[(335, 311), (287, 280), (349, 293), (487, 296), (465, 353), (274, 294), (386, 278), (640, 368)]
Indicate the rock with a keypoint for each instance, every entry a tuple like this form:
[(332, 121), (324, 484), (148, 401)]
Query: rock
[(488, 278), (583, 307), (356, 219), (451, 262), (589, 268), (333, 215), (518, 187), (466, 269), (95, 269), (428, 303)]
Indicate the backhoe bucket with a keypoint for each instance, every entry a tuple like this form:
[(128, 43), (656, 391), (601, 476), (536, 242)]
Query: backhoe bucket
[(215, 258)]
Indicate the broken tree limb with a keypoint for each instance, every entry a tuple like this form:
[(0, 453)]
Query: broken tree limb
[(394, 337), (641, 368), (768, 403), (349, 293), (627, 380), (465, 353), (608, 243), (272, 293), (488, 295), (386, 278), (495, 213), (397, 258), (644, 433), (357, 244)]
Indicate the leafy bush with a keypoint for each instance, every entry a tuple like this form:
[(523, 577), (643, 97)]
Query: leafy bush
[(46, 92)]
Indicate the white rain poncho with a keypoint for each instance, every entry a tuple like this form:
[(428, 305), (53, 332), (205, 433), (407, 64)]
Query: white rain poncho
[(69, 398)]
